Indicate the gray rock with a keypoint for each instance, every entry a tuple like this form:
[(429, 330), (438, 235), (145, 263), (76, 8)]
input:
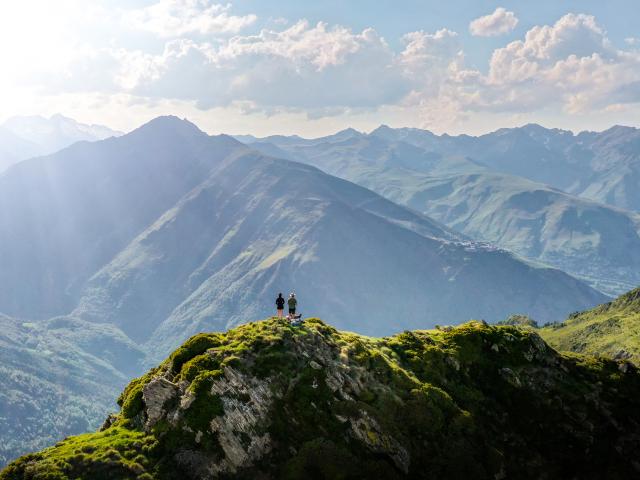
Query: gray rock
[(156, 395)]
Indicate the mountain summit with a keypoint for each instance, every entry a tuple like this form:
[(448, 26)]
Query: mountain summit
[(269, 400)]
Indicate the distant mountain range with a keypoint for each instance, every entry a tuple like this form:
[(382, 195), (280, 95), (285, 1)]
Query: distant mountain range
[(489, 189), (167, 231), (601, 166), (28, 136)]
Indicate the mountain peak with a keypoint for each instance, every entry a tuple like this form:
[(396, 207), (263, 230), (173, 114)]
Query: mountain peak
[(272, 400), (345, 134), (170, 125)]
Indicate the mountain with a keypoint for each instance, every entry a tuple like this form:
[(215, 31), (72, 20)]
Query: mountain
[(13, 149), (271, 400), (616, 168), (167, 231), (57, 132), (348, 154), (84, 205), (29, 136), (611, 329), (58, 378), (594, 241), (601, 166)]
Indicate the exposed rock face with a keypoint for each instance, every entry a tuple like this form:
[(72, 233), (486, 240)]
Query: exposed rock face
[(247, 401), (272, 401), (156, 395), (369, 432)]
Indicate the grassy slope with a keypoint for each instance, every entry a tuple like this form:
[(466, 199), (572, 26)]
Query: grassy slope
[(270, 400), (604, 330)]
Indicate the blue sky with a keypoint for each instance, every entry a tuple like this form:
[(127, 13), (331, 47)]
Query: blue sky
[(311, 67)]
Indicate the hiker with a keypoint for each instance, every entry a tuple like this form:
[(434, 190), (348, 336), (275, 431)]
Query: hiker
[(280, 305), (292, 302)]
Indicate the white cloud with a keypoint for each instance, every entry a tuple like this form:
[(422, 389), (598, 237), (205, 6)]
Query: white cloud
[(498, 23), (312, 67), (321, 71), (571, 64), (175, 18)]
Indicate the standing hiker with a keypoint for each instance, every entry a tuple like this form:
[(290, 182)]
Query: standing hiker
[(280, 305), (292, 302)]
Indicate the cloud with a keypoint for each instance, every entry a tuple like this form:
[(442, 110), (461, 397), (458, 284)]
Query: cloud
[(313, 67), (175, 18), (571, 63), (498, 23), (321, 70)]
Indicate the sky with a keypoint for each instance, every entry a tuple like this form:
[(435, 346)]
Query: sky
[(312, 68)]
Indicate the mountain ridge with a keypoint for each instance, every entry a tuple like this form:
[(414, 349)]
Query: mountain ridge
[(477, 198), (611, 329), (34, 136), (271, 400)]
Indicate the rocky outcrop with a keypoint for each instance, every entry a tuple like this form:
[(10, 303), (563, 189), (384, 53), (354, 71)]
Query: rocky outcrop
[(272, 401), (157, 395)]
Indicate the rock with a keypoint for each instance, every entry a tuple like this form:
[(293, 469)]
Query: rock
[(156, 395), (453, 362), (315, 365), (538, 342), (510, 376), (111, 418), (247, 401), (369, 432), (622, 355)]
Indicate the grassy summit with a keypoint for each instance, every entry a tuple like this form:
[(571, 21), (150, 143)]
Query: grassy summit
[(268, 400), (611, 329)]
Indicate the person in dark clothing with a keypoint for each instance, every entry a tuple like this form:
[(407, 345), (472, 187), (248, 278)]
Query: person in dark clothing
[(292, 304), (280, 305)]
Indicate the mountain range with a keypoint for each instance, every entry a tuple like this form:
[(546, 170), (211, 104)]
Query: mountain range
[(166, 224), (116, 251), (489, 189), (139, 241), (23, 137)]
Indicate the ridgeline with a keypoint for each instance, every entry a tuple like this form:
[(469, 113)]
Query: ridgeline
[(611, 329), (269, 400)]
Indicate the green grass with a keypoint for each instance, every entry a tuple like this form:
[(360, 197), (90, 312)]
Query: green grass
[(604, 330), (118, 452)]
